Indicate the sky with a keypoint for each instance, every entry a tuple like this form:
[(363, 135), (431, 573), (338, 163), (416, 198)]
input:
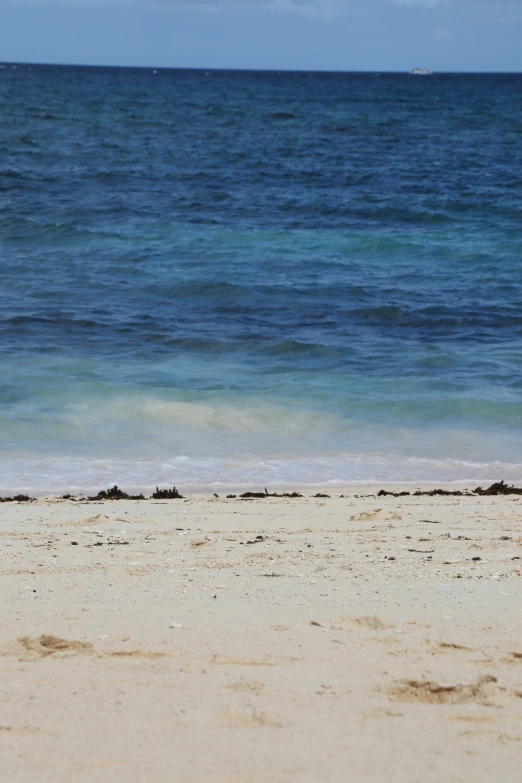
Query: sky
[(340, 35)]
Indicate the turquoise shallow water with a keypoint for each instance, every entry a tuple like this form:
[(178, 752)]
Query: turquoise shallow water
[(236, 278)]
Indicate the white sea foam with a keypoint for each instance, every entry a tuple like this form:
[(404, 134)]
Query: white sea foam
[(39, 474), (145, 440)]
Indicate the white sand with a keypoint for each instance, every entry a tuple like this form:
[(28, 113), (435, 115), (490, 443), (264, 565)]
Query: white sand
[(316, 654)]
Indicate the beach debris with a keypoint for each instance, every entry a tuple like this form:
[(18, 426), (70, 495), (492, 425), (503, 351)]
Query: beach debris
[(321, 495), (201, 542), (115, 493), (256, 540), (17, 499), (175, 625), (423, 551), (267, 494), (499, 488), (444, 492), (424, 493), (167, 494)]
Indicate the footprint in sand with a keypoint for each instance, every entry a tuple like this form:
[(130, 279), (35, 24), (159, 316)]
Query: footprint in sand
[(248, 719), (377, 515), (484, 691), (34, 649), (243, 686), (365, 623)]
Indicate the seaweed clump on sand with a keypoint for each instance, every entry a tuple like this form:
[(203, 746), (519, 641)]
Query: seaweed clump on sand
[(115, 493), (167, 494), (499, 488), (435, 492), (267, 494), (17, 499), (431, 493)]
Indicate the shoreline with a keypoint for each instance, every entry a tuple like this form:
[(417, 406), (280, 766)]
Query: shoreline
[(371, 488)]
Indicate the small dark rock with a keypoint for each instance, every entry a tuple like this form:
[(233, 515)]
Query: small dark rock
[(256, 540)]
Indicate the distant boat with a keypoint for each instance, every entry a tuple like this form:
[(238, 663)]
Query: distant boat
[(421, 72)]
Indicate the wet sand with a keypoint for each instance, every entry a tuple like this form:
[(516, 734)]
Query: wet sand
[(269, 640)]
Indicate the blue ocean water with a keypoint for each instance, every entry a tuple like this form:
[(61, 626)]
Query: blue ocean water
[(250, 278)]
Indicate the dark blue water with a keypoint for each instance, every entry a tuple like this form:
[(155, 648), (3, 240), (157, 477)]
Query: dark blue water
[(244, 277)]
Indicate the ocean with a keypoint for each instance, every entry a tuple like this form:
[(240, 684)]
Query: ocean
[(244, 279)]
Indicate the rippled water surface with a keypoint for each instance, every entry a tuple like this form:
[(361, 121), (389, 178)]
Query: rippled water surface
[(238, 278)]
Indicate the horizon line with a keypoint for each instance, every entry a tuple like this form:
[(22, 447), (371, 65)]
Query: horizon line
[(235, 69)]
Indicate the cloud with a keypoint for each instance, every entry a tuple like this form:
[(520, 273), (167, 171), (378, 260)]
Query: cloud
[(443, 35)]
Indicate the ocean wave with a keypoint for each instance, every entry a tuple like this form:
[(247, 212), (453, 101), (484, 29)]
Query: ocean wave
[(41, 474), (28, 230)]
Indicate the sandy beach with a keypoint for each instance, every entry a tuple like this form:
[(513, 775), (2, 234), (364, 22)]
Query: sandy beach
[(215, 640)]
